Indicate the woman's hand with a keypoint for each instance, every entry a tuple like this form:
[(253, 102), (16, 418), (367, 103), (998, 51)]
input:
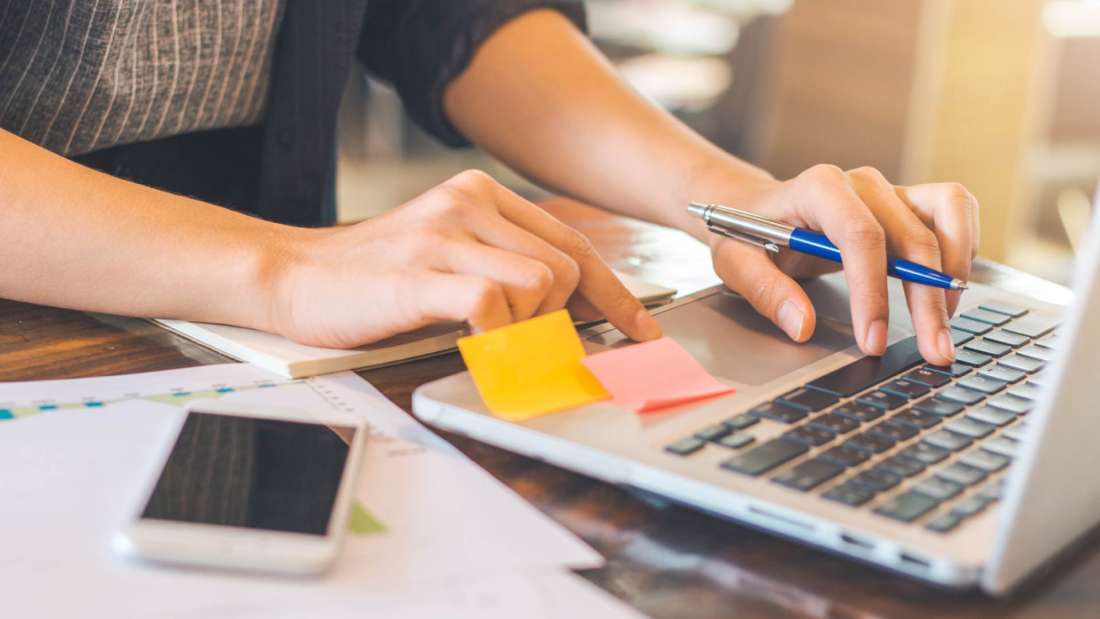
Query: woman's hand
[(467, 250), (866, 217)]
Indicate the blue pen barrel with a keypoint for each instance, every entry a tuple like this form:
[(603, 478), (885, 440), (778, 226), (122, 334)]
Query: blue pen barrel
[(816, 244)]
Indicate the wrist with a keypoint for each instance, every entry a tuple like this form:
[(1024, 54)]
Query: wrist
[(727, 181), (277, 257)]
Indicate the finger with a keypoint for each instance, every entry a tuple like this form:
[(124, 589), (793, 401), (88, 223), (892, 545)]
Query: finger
[(436, 297), (582, 311), (482, 218), (526, 282), (824, 199), (952, 213), (598, 284), (752, 274), (907, 237)]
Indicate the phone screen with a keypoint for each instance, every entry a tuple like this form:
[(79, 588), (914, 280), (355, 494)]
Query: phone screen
[(253, 473)]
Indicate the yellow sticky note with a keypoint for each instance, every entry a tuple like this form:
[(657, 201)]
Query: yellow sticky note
[(531, 368)]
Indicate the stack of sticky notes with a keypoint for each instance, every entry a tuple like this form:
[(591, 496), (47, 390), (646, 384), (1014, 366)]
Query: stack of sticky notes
[(653, 375), (539, 366), (531, 368)]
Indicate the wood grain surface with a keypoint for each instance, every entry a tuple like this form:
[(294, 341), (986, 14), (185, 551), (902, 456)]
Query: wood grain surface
[(667, 561)]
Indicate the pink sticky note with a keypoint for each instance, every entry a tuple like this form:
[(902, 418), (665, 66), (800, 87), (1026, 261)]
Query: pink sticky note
[(652, 375)]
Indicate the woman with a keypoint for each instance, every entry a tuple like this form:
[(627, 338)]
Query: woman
[(129, 125)]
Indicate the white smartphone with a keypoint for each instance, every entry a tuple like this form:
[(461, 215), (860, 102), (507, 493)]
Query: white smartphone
[(253, 488)]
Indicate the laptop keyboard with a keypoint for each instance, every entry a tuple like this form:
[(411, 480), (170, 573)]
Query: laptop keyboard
[(909, 441)]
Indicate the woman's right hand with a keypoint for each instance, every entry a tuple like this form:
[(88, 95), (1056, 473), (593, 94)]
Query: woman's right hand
[(467, 250)]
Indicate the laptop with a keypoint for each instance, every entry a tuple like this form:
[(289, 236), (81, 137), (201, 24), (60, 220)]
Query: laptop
[(965, 476)]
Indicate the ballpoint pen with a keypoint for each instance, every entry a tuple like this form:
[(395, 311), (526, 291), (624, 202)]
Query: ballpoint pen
[(771, 235)]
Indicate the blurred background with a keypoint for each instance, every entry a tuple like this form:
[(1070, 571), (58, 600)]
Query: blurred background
[(1001, 95)]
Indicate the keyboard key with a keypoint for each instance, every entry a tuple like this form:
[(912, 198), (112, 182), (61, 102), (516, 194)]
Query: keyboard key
[(906, 389), (926, 453), (713, 433), (881, 399), (845, 456), (862, 413), (988, 414), (961, 474), (955, 369), (927, 377), (936, 406), (947, 440), (1007, 310), (876, 479), (981, 384), (991, 492), (971, 326), (873, 443), (1052, 341), (850, 494), (907, 506), (972, 357), (893, 430), (968, 507), (936, 488), (810, 435), (969, 427), (960, 337), (1012, 404), (1002, 373), (960, 395), (742, 421), (1017, 432), (986, 316), (985, 460), (1027, 391), (778, 412), (1037, 352), (765, 457), (1001, 445), (838, 424), (859, 375), (1032, 326), (917, 419), (685, 446), (736, 440), (1023, 363), (807, 399), (986, 347), (1008, 338), (944, 523), (808, 474), (902, 465)]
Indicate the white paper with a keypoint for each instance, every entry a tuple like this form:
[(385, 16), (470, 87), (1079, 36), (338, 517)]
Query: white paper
[(70, 477)]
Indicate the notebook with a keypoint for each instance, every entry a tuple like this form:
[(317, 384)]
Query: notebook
[(280, 355)]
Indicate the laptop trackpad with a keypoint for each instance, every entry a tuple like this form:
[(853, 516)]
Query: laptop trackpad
[(735, 343)]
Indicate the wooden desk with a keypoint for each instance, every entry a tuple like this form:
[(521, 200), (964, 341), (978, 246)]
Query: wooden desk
[(667, 561)]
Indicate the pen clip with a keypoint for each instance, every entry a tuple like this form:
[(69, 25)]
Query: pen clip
[(744, 238)]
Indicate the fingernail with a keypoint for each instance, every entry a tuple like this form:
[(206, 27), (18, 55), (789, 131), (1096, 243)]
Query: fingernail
[(791, 319), (875, 341), (647, 325), (947, 345)]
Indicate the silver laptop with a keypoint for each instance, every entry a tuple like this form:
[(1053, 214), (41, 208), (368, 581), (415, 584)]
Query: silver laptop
[(963, 476)]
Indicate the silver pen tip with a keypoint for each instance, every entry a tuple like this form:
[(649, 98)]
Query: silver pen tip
[(697, 209), (958, 284)]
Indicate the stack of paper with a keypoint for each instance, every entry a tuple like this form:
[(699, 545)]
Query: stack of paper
[(433, 534)]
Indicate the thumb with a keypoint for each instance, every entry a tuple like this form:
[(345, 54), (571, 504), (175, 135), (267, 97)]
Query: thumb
[(749, 272)]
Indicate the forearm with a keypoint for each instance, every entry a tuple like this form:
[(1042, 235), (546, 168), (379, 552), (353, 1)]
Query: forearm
[(73, 237), (539, 96)]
